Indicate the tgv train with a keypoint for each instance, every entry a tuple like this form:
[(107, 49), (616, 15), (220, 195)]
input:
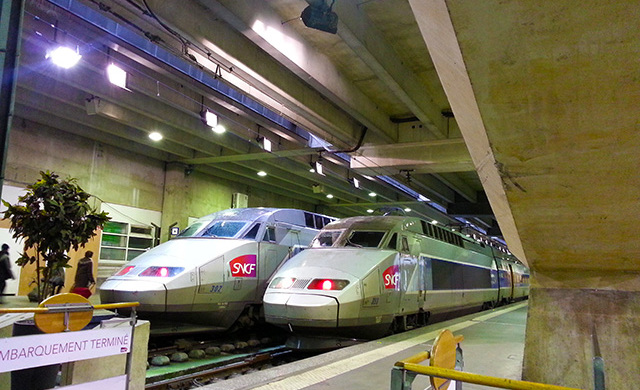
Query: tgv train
[(215, 272), (369, 276)]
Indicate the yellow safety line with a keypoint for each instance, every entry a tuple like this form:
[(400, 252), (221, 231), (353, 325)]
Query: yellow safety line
[(105, 306), (502, 383)]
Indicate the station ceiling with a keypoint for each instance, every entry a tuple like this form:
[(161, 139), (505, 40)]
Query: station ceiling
[(369, 93)]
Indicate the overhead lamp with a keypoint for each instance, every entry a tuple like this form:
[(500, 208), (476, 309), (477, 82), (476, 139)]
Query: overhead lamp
[(219, 129), (64, 57), (264, 143), (369, 211), (330, 196), (155, 136), (262, 173), (320, 17), (372, 194), (318, 168), (407, 210), (117, 76), (209, 118), (356, 182), (434, 222)]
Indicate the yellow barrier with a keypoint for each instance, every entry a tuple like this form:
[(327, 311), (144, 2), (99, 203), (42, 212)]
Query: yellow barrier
[(502, 383), (443, 358), (106, 306)]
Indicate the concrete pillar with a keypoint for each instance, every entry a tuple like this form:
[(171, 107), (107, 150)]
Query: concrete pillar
[(560, 337)]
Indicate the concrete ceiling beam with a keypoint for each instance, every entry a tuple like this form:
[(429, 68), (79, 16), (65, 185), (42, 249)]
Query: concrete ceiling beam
[(421, 157), (369, 44)]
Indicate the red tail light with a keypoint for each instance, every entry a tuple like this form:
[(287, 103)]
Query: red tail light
[(327, 284), (162, 272), (125, 270)]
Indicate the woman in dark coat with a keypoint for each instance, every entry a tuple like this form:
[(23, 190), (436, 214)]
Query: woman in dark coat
[(84, 276)]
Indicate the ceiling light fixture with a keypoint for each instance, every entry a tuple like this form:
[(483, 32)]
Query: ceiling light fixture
[(64, 57), (117, 76), (369, 211), (372, 194), (264, 143), (262, 173), (356, 182), (330, 196), (155, 136), (209, 118)]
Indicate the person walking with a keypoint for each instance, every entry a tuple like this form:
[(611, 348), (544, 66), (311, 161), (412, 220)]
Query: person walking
[(5, 269), (84, 276)]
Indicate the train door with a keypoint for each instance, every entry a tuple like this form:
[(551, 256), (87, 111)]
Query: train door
[(409, 278), (210, 281), (511, 294)]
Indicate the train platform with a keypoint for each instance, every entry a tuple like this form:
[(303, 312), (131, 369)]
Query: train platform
[(493, 345)]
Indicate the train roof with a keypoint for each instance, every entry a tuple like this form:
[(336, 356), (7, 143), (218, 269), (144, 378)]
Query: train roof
[(251, 213), (376, 222)]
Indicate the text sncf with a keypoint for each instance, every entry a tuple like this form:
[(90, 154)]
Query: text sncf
[(243, 266), (390, 277)]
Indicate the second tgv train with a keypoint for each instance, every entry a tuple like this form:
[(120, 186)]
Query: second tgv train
[(215, 272), (368, 276)]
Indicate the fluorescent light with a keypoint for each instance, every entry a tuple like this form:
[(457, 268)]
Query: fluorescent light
[(319, 168), (434, 222), (407, 209), (356, 183), (369, 211), (262, 173), (117, 76), (155, 136), (265, 144), (219, 129), (372, 194), (330, 196), (64, 57)]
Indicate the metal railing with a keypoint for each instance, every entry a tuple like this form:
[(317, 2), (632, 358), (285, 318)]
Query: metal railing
[(405, 371)]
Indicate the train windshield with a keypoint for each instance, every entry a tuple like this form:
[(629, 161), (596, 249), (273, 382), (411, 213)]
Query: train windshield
[(215, 229), (326, 238), (364, 239), (227, 229)]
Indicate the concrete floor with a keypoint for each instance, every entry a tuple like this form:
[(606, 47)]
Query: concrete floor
[(493, 345)]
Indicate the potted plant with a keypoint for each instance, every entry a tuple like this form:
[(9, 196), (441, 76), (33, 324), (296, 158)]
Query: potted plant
[(52, 217)]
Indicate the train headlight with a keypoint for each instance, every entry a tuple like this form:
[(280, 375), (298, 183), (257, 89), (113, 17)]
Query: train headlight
[(282, 283), (163, 272), (125, 270), (327, 284)]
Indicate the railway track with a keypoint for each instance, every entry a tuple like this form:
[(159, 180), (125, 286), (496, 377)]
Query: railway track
[(230, 366)]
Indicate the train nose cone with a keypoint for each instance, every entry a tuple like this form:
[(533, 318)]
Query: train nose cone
[(301, 309), (152, 296)]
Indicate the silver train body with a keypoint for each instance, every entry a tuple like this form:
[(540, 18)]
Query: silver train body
[(217, 269), (368, 276)]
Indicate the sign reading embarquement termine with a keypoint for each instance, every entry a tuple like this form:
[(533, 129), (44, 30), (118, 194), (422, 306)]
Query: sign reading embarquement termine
[(40, 350)]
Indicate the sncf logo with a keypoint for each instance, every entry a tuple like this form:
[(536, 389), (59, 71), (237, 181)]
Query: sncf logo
[(390, 277), (243, 266)]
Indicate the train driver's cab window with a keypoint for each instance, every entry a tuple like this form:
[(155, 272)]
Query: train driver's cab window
[(405, 245), (252, 233), (226, 229), (326, 238), (364, 239), (393, 242), (270, 234)]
